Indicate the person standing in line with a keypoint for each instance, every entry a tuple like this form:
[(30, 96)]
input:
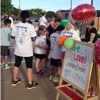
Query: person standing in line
[(23, 32), (5, 43), (91, 33), (65, 20), (55, 54), (40, 49), (69, 31), (11, 18), (52, 21), (42, 20), (50, 29)]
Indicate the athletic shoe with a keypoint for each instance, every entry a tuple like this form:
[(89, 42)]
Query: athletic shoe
[(55, 79), (40, 73), (50, 78), (89, 94), (93, 93), (14, 83), (33, 85), (7, 67)]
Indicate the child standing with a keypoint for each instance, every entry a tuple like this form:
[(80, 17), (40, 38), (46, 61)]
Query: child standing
[(5, 43), (55, 54), (40, 49)]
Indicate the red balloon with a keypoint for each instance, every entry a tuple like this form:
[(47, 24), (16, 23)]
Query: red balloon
[(97, 52), (83, 12)]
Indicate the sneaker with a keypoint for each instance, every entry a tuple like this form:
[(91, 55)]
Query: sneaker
[(14, 83), (50, 78), (93, 93), (33, 85), (7, 67), (55, 79), (89, 94), (40, 73)]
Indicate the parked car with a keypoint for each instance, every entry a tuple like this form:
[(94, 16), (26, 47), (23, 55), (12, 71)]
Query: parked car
[(32, 19), (36, 19)]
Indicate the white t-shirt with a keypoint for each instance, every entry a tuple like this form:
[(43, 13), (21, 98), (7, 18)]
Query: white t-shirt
[(42, 21), (73, 34), (55, 48), (23, 33), (11, 21), (40, 40)]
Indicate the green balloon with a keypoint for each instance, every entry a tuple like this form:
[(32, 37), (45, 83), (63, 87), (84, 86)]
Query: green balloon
[(69, 43)]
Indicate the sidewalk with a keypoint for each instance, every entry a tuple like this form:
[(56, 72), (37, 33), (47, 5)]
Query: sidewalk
[(45, 91)]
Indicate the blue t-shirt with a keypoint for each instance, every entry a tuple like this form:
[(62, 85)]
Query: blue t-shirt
[(5, 36)]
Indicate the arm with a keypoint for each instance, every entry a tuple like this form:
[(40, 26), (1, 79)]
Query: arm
[(47, 36), (92, 36), (39, 46)]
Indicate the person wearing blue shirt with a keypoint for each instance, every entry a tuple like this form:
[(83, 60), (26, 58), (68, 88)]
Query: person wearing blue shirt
[(5, 42)]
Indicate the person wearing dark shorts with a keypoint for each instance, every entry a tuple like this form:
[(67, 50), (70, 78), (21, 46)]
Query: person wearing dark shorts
[(50, 30), (5, 43), (55, 54), (40, 49), (23, 32)]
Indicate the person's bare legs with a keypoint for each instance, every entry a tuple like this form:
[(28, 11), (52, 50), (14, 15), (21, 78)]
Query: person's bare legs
[(6, 59), (15, 73), (29, 75), (46, 59), (55, 74), (37, 64), (51, 70)]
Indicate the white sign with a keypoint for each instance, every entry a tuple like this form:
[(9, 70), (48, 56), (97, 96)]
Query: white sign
[(77, 65)]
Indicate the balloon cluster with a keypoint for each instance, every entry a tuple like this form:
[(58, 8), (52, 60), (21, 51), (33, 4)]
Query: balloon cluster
[(82, 15), (68, 43), (97, 52)]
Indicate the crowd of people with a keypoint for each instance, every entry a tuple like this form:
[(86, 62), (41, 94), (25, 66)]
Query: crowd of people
[(45, 37)]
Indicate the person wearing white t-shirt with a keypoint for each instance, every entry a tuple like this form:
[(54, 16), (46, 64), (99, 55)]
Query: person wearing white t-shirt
[(69, 32), (23, 33), (42, 20), (55, 54), (40, 49), (10, 17)]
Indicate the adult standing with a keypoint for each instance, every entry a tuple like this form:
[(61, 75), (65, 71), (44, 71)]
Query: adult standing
[(50, 29), (65, 20), (11, 18), (23, 33), (42, 20), (91, 33)]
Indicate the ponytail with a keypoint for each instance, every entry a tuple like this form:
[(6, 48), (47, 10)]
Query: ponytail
[(23, 20)]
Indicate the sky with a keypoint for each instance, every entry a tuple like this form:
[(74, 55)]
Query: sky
[(53, 5)]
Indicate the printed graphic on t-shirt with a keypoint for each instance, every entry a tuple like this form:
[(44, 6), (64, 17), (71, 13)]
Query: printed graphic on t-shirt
[(53, 42), (21, 33)]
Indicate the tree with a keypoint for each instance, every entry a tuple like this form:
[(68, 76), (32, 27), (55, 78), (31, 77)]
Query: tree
[(15, 11), (6, 6), (49, 14)]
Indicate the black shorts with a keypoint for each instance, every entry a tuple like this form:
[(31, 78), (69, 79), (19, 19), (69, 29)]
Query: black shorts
[(55, 62), (28, 61), (40, 56), (4, 50)]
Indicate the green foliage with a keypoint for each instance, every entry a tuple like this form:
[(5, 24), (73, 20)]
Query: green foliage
[(15, 11), (35, 12), (6, 6), (50, 14)]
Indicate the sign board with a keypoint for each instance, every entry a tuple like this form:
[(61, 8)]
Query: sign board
[(79, 71), (77, 65)]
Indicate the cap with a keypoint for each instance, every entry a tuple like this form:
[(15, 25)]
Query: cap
[(24, 14)]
